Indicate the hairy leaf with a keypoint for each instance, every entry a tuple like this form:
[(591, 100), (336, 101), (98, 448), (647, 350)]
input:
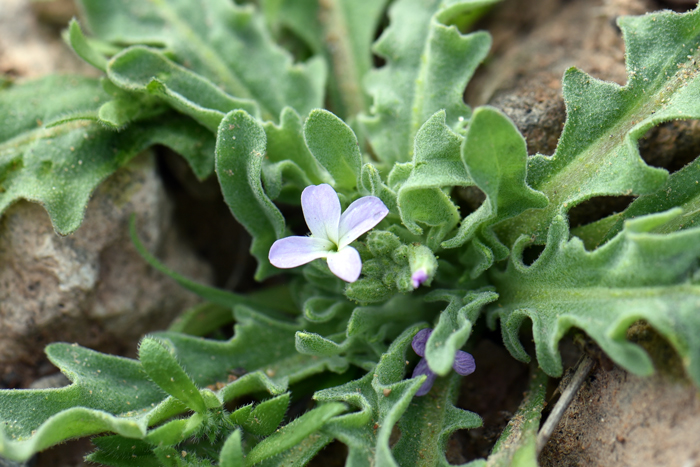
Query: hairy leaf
[(340, 30), (240, 148), (52, 152), (428, 67), (116, 394), (597, 153), (638, 275), (381, 396), (454, 325), (219, 40), (143, 70), (428, 423)]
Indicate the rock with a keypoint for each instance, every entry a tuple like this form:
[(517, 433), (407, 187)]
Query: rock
[(30, 48), (91, 287)]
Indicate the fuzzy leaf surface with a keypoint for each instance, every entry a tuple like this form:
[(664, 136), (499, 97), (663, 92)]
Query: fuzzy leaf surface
[(681, 190), (638, 275), (219, 40), (495, 155), (116, 395), (428, 423), (597, 154), (54, 153), (382, 396), (240, 148), (428, 65), (340, 30)]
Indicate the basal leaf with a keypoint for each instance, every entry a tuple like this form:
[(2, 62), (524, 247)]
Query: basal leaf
[(437, 166), (454, 325), (342, 31), (294, 432), (145, 70), (495, 155), (219, 40), (428, 423), (638, 275), (428, 67), (597, 153), (334, 145), (82, 47), (382, 396), (52, 152), (166, 372), (240, 148), (116, 394), (682, 190)]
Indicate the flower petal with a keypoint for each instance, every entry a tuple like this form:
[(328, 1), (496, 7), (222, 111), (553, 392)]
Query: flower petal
[(464, 363), (359, 217), (345, 264), (418, 277), (322, 211), (291, 252), (419, 341), (422, 369)]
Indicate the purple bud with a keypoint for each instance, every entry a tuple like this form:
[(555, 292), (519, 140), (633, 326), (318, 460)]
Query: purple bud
[(464, 363), (419, 341), (423, 369), (418, 277)]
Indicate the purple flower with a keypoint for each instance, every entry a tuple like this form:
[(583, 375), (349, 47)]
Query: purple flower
[(464, 362), (418, 277), (331, 233)]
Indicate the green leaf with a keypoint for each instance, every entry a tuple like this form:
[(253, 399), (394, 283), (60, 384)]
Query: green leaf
[(144, 70), (516, 447), (334, 145), (382, 396), (495, 155), (597, 154), (52, 152), (437, 165), (289, 159), (116, 394), (80, 44), (428, 423), (240, 148), (107, 394), (428, 65), (288, 436), (342, 31), (300, 454), (454, 325), (232, 452), (264, 418), (166, 372), (638, 275), (682, 190), (223, 42)]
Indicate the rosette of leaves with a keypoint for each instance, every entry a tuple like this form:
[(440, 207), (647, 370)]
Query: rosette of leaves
[(409, 140)]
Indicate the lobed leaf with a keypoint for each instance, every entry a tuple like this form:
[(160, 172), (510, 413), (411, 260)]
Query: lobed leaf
[(211, 38), (240, 148), (638, 275), (428, 65), (52, 152), (340, 30), (382, 396), (597, 154), (428, 423)]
